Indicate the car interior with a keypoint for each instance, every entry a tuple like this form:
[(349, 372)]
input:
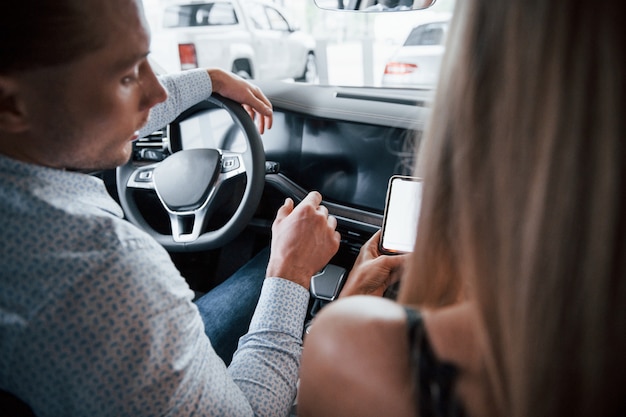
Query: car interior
[(208, 185), (344, 141)]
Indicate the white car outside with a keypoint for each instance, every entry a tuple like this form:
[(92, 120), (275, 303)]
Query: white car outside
[(252, 38), (417, 62)]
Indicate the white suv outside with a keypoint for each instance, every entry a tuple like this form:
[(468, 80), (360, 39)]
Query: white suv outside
[(252, 38), (418, 61)]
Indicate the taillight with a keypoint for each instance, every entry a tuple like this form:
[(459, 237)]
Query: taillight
[(188, 57), (399, 68)]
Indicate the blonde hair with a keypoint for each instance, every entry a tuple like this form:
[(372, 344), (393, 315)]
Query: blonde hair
[(525, 200)]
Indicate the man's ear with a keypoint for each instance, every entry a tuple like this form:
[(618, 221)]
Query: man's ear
[(13, 117)]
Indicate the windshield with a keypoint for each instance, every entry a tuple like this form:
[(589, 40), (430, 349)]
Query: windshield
[(297, 41)]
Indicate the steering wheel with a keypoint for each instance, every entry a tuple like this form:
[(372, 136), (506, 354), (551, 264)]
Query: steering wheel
[(187, 182)]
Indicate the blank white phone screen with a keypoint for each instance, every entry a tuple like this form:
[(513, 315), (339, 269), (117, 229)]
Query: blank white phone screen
[(402, 213)]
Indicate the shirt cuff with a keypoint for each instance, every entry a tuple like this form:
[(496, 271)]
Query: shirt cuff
[(283, 299)]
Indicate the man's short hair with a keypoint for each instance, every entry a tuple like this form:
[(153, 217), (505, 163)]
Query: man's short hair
[(46, 32)]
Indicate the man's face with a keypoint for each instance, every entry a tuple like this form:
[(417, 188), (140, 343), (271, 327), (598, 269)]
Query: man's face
[(84, 115)]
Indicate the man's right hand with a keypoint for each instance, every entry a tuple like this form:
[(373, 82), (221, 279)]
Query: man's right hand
[(304, 240)]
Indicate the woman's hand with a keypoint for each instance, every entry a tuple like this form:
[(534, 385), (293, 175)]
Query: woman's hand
[(373, 272)]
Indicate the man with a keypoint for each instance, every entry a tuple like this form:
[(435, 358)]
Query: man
[(94, 317)]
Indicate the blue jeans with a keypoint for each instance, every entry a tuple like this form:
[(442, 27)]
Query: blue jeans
[(228, 308)]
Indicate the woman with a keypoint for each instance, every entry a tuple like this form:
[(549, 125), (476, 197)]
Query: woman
[(520, 260)]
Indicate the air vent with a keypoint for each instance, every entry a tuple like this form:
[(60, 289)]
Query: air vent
[(154, 147)]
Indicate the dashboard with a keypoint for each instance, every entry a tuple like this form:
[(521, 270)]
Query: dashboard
[(343, 142), (349, 163)]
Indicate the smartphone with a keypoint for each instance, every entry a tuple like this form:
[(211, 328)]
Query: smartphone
[(402, 208)]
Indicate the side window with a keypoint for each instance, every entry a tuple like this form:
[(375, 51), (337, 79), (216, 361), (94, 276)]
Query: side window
[(414, 37), (277, 21), (221, 14), (432, 35), (177, 16), (203, 14)]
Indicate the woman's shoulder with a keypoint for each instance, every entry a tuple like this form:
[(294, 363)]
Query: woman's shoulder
[(357, 357), (355, 360), (361, 309), (360, 325)]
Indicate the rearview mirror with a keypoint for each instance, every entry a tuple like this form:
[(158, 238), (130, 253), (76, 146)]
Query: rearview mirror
[(374, 5)]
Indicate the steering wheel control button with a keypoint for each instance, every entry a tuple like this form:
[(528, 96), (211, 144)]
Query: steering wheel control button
[(230, 163), (144, 176), (184, 181)]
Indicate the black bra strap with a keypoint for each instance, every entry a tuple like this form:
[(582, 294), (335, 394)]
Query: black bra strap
[(415, 331), (434, 393), (414, 324)]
